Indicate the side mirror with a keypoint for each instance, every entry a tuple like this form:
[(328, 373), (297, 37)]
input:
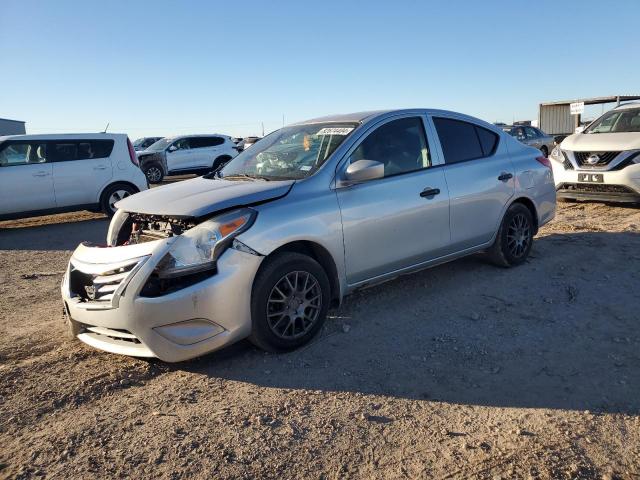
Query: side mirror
[(173, 148), (363, 170)]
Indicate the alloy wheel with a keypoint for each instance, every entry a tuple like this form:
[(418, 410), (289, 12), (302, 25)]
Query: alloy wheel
[(154, 174), (518, 235), (294, 305), (116, 197)]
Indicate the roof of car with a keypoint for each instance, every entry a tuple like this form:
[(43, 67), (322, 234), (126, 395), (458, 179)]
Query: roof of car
[(176, 137), (626, 106), (64, 136)]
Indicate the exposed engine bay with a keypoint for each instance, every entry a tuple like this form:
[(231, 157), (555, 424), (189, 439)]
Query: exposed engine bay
[(141, 228)]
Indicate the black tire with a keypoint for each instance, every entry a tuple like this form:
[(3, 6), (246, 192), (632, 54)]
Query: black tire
[(153, 172), (268, 330), (515, 237), (114, 193), (220, 162), (545, 151)]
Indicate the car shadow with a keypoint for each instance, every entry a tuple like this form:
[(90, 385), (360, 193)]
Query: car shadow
[(54, 237), (559, 332)]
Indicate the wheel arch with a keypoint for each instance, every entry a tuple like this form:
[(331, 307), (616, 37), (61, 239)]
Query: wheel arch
[(112, 184), (321, 255), (527, 202)]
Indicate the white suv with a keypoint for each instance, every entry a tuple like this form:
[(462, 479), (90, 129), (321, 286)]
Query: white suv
[(186, 154), (41, 174), (602, 162)]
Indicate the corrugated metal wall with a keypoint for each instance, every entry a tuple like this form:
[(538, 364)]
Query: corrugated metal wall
[(556, 119), (11, 127)]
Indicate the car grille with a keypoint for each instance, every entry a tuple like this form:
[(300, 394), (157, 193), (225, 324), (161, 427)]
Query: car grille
[(594, 188), (605, 158), (98, 283)]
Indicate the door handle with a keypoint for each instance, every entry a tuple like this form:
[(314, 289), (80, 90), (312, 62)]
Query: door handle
[(40, 174), (100, 167), (505, 176), (429, 192)]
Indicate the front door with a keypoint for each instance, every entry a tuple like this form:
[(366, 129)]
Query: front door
[(26, 180), (180, 156), (399, 220)]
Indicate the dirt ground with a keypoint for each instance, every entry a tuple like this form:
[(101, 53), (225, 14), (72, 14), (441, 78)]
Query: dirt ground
[(461, 371)]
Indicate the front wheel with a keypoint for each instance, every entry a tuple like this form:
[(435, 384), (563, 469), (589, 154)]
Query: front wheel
[(153, 173), (515, 237), (545, 151), (114, 194), (289, 303)]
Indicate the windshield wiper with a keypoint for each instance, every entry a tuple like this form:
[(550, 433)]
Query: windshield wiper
[(246, 175)]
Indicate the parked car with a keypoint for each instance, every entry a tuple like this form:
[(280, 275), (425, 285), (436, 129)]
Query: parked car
[(314, 211), (534, 137), (248, 141), (603, 161), (186, 154), (144, 143), (42, 174)]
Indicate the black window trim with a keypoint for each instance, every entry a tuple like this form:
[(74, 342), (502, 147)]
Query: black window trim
[(493, 152), (374, 128)]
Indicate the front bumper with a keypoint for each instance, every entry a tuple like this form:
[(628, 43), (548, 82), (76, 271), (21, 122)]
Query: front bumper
[(617, 185), (177, 326)]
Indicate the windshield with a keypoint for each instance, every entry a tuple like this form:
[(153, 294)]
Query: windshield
[(617, 121), (289, 153), (160, 145), (138, 142)]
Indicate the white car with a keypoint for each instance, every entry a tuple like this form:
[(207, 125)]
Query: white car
[(42, 174), (603, 161), (186, 154)]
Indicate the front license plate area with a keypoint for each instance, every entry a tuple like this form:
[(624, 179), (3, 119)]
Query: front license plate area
[(590, 177)]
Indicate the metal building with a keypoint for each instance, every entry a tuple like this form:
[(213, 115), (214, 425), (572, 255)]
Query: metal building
[(555, 118), (11, 127)]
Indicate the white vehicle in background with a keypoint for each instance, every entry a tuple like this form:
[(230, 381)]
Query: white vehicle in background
[(145, 142), (43, 174), (186, 154), (601, 163)]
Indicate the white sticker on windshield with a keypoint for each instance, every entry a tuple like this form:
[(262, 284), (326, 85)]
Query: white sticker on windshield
[(305, 168), (335, 131)]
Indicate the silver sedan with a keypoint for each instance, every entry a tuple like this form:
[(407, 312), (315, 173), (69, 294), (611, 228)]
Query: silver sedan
[(533, 137), (316, 210)]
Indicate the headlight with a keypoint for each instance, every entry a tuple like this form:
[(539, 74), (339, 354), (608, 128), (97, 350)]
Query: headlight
[(556, 154), (197, 249)]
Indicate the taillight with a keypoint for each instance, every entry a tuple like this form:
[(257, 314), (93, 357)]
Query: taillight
[(544, 161), (132, 154)]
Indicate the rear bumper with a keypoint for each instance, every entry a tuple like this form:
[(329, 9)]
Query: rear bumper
[(177, 326)]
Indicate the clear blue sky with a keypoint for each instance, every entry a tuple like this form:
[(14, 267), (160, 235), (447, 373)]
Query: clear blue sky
[(162, 67)]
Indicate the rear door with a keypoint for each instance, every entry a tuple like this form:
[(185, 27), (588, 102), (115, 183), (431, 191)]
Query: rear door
[(81, 169), (480, 177), (26, 180), (205, 151), (399, 220)]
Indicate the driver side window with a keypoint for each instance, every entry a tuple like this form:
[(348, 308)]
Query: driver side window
[(182, 144), (400, 145)]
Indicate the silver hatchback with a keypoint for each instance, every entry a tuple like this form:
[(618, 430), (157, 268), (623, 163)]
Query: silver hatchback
[(264, 247)]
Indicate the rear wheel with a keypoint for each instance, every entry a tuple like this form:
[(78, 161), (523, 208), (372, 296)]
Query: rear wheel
[(112, 195), (220, 162), (515, 237), (289, 302), (153, 173)]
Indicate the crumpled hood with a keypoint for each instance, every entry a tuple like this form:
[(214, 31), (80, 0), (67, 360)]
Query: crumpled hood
[(200, 196), (602, 142)]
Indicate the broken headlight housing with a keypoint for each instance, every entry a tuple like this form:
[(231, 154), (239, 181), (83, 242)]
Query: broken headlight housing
[(556, 154), (197, 249)]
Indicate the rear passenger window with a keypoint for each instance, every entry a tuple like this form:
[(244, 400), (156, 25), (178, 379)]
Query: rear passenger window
[(202, 142), (462, 141), (79, 150)]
